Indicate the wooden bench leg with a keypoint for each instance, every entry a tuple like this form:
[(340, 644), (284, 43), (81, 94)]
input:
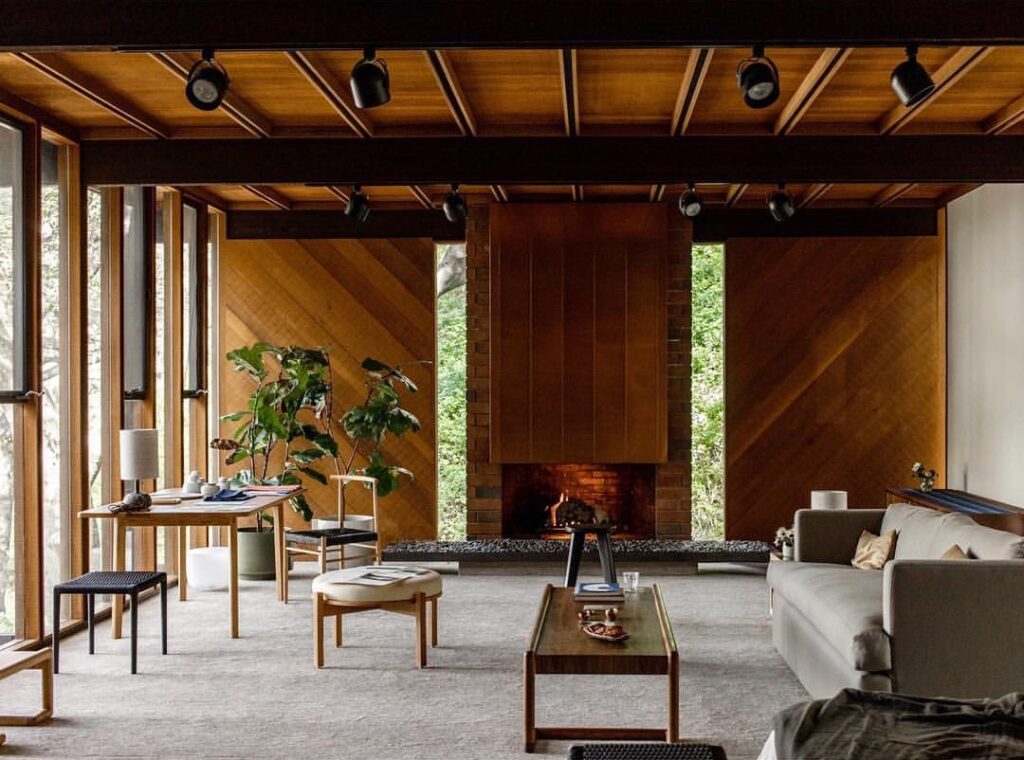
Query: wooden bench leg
[(337, 630), (47, 675), (318, 631), (56, 631), (421, 630), (433, 622)]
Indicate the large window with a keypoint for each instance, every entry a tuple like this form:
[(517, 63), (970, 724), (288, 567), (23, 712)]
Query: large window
[(12, 367), (135, 295), (451, 392)]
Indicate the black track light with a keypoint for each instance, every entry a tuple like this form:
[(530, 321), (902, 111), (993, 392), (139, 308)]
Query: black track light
[(358, 204), (370, 81), (207, 83), (781, 204), (911, 81), (758, 79), (455, 208), (690, 203)]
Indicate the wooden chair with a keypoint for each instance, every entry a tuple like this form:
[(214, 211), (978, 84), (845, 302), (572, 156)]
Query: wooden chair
[(329, 545)]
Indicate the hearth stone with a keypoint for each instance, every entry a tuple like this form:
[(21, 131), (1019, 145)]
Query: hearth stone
[(514, 550)]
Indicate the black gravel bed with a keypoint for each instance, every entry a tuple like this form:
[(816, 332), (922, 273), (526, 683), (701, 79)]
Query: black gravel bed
[(533, 550)]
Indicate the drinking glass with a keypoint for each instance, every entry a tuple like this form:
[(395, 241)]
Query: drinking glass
[(630, 582)]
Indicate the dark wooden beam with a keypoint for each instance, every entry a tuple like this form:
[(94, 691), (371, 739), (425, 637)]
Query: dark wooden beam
[(735, 192), (203, 195), (500, 193), (338, 193), (420, 194), (95, 92), (1006, 117), (334, 92), (22, 109), (555, 160), (268, 225), (240, 111), (891, 193), (817, 79), (717, 225), (813, 193), (689, 90), (458, 105), (952, 71), (951, 195), (158, 25), (270, 195)]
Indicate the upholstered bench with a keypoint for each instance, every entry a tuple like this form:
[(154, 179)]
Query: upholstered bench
[(332, 597)]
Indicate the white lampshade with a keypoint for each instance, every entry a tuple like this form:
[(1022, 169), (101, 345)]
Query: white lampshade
[(828, 499), (140, 454)]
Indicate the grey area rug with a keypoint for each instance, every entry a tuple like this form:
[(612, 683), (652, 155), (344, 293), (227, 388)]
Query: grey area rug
[(260, 697)]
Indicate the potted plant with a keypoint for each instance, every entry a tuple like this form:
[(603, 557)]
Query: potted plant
[(292, 412), (785, 538)]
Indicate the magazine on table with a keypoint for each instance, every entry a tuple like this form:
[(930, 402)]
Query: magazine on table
[(382, 576)]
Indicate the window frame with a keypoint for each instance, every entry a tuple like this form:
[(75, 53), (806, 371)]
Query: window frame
[(143, 390), (21, 364), (198, 280)]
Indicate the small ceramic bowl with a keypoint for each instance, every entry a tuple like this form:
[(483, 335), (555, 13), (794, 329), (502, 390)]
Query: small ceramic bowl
[(209, 489)]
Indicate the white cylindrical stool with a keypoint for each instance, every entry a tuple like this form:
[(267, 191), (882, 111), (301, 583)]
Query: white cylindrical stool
[(208, 568), (828, 499)]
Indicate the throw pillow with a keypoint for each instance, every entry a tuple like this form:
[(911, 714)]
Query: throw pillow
[(954, 552), (874, 551)]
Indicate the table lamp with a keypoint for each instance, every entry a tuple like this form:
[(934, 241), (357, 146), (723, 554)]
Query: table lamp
[(140, 455)]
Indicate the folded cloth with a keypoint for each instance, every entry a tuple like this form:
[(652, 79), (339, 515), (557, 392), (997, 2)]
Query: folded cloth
[(229, 495)]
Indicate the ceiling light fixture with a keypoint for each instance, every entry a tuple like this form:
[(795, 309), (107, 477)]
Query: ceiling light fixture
[(207, 83), (358, 206), (758, 79), (911, 81), (455, 207), (781, 204), (690, 203), (370, 80)]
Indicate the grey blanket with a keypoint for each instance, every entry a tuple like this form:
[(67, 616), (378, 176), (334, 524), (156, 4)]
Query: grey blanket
[(861, 724)]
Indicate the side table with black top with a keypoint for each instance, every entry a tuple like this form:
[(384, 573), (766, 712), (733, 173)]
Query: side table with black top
[(130, 584), (578, 538)]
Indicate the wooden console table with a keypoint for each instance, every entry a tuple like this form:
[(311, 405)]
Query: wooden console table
[(987, 512)]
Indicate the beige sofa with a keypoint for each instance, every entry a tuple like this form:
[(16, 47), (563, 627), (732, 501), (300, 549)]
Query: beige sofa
[(921, 626)]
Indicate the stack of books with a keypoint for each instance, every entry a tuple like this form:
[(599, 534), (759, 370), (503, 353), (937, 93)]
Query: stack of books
[(599, 593)]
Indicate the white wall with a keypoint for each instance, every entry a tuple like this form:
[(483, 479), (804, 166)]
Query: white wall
[(986, 343)]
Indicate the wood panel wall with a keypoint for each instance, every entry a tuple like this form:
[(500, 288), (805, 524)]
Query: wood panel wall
[(356, 298), (578, 333), (835, 371)]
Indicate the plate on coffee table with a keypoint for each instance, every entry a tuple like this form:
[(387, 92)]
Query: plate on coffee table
[(596, 631)]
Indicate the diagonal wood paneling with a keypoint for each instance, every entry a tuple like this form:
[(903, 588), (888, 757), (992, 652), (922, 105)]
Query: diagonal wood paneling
[(357, 298), (835, 361)]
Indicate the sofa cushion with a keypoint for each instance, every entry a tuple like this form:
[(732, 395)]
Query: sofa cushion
[(843, 603), (924, 533)]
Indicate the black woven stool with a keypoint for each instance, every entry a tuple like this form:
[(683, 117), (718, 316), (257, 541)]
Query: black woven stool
[(129, 584), (646, 752)]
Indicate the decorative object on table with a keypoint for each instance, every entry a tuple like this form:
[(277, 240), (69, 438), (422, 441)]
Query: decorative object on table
[(193, 483), (610, 632), (926, 476), (785, 538), (828, 499), (223, 483), (593, 593), (140, 455), (133, 502), (630, 581), (130, 583), (209, 489), (578, 537)]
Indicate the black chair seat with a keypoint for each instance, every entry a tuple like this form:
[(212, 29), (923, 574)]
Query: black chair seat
[(334, 536), (111, 582), (646, 752)]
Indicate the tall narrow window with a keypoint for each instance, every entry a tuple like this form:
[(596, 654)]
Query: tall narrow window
[(12, 365), (193, 302), (54, 275), (135, 272), (451, 392), (708, 381)]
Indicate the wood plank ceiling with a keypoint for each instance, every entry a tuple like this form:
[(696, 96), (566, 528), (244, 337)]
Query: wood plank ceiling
[(565, 92)]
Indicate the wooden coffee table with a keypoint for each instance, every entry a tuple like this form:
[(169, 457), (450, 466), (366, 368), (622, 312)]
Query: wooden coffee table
[(558, 647)]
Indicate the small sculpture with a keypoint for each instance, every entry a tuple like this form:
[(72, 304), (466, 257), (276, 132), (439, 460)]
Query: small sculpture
[(927, 477)]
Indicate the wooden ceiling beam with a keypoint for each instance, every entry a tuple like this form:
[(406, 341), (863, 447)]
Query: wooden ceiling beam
[(203, 195), (577, 193), (697, 67), (717, 225), (338, 193), (817, 79), (243, 114), (500, 193), (420, 194), (1006, 117), (271, 225), (334, 92), (947, 75), (95, 92), (555, 160), (570, 92), (22, 109), (535, 24), (951, 195), (813, 193), (271, 196), (441, 66), (892, 193)]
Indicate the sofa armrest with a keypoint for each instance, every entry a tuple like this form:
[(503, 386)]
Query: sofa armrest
[(955, 626), (827, 535)]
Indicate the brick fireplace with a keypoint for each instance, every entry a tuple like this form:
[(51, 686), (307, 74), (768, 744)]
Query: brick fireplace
[(665, 513), (621, 494)]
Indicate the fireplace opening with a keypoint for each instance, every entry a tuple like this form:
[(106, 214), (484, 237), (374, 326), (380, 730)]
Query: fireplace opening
[(538, 500)]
